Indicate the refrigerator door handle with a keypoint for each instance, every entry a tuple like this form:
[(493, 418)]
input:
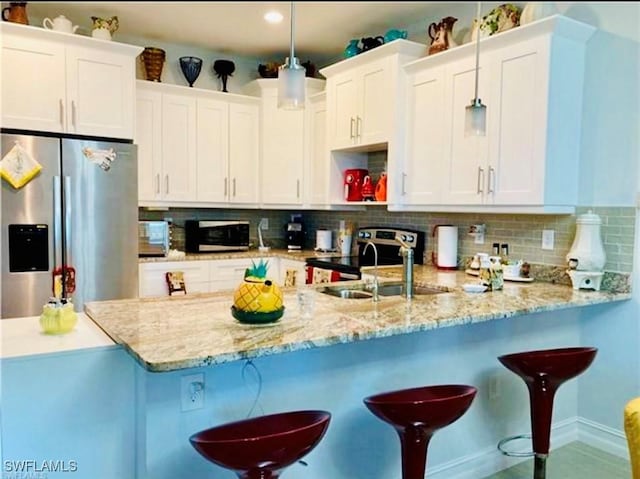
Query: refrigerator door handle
[(67, 259), (57, 223)]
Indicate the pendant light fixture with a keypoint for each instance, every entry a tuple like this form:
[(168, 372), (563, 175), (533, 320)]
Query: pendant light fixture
[(291, 78), (476, 114)]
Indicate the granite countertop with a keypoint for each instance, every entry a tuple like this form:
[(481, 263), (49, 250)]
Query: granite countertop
[(252, 253), (166, 334)]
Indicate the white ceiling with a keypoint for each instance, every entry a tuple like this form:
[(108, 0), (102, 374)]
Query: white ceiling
[(321, 28)]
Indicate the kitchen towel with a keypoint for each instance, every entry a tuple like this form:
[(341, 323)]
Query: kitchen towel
[(320, 275), (18, 167)]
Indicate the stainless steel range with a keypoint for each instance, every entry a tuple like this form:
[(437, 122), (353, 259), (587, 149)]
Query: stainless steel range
[(343, 268)]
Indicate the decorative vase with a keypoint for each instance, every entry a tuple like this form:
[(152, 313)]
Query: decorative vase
[(191, 67), (16, 12), (352, 49), (224, 69), (257, 299), (153, 62), (533, 11)]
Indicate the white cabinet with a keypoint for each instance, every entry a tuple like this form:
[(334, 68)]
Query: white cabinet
[(362, 93), (531, 80), (284, 144), (166, 139), (195, 147), (66, 83), (153, 277), (227, 151), (316, 185), (226, 274)]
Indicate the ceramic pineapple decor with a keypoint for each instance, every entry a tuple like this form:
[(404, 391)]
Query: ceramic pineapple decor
[(257, 300)]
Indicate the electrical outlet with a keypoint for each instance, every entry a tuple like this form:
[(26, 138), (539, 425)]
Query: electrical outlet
[(264, 223), (494, 387), (192, 392), (547, 239)]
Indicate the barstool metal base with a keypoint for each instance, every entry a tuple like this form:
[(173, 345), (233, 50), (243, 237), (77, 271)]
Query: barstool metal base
[(539, 461)]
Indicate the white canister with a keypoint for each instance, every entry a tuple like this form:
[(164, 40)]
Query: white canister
[(587, 251), (323, 240)]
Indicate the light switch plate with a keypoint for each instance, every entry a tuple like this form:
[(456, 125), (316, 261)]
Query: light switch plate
[(548, 237)]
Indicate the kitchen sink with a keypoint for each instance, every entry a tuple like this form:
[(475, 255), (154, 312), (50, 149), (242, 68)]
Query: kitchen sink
[(362, 291)]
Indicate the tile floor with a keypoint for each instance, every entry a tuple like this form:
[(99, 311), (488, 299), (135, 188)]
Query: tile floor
[(573, 461)]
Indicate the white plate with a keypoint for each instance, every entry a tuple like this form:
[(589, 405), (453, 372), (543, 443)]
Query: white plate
[(475, 272), (474, 288)]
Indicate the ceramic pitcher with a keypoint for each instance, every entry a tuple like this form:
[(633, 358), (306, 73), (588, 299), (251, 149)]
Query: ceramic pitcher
[(16, 12), (441, 35)]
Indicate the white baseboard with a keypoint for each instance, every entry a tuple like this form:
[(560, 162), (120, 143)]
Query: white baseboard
[(603, 437), (490, 460)]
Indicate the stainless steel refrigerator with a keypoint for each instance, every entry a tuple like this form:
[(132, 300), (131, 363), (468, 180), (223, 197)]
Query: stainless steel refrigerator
[(74, 224)]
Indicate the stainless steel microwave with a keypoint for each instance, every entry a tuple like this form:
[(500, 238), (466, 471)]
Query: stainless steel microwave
[(214, 236), (153, 238)]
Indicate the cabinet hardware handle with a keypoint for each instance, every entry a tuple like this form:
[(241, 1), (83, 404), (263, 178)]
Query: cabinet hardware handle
[(492, 178), (225, 186), (61, 113), (158, 183), (166, 184), (351, 129), (234, 187), (404, 177), (359, 127), (73, 113), (480, 179), (298, 188)]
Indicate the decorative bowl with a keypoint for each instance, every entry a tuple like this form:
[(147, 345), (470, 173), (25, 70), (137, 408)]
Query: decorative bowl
[(257, 318), (269, 70)]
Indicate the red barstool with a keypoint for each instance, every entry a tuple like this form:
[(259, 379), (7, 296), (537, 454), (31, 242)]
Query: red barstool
[(544, 371), (261, 447), (417, 414)]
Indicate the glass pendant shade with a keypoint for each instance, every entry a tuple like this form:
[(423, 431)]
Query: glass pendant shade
[(475, 119), (291, 77), (291, 85)]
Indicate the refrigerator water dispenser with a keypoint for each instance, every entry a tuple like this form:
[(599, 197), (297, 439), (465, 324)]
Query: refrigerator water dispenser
[(28, 248)]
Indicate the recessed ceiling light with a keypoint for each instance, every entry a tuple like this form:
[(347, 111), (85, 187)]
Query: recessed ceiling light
[(273, 17)]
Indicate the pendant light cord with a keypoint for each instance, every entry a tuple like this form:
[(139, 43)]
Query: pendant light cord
[(475, 100), (292, 35)]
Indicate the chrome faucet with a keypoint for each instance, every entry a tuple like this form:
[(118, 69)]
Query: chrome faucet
[(375, 270), (407, 268)]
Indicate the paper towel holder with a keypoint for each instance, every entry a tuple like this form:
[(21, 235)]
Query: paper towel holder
[(447, 256)]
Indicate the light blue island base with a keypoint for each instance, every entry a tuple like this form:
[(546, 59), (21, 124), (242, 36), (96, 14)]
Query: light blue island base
[(337, 378)]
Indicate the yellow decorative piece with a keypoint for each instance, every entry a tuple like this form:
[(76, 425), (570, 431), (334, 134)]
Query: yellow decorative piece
[(632, 431), (258, 296), (18, 167), (58, 318)]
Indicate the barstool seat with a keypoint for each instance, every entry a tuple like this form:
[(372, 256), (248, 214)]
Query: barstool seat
[(417, 414), (544, 371), (261, 447)]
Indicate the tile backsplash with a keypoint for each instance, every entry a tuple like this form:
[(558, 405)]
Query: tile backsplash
[(523, 233)]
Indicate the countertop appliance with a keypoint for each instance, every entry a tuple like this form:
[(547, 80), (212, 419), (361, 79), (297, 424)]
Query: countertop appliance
[(294, 236), (73, 228), (210, 236), (153, 238), (353, 182), (388, 248)]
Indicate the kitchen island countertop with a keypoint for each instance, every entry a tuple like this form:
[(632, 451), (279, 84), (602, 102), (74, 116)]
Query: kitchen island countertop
[(171, 333)]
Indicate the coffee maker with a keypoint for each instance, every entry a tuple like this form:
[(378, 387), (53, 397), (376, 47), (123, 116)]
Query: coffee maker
[(294, 236)]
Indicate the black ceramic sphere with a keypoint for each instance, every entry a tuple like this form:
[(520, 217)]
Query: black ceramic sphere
[(191, 67)]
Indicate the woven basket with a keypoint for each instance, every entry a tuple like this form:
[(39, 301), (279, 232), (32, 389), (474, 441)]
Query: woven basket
[(153, 59)]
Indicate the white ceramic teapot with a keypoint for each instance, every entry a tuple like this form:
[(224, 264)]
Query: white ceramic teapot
[(59, 24)]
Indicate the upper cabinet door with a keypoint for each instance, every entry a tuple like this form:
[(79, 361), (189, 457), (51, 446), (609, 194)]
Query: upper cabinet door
[(179, 148), (100, 93), (148, 137), (373, 118), (212, 150), (344, 101), (33, 84), (466, 170), (317, 171), (422, 174), (243, 153), (283, 152)]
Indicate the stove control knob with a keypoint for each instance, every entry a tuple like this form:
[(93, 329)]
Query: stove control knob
[(410, 238), (367, 234), (404, 237)]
